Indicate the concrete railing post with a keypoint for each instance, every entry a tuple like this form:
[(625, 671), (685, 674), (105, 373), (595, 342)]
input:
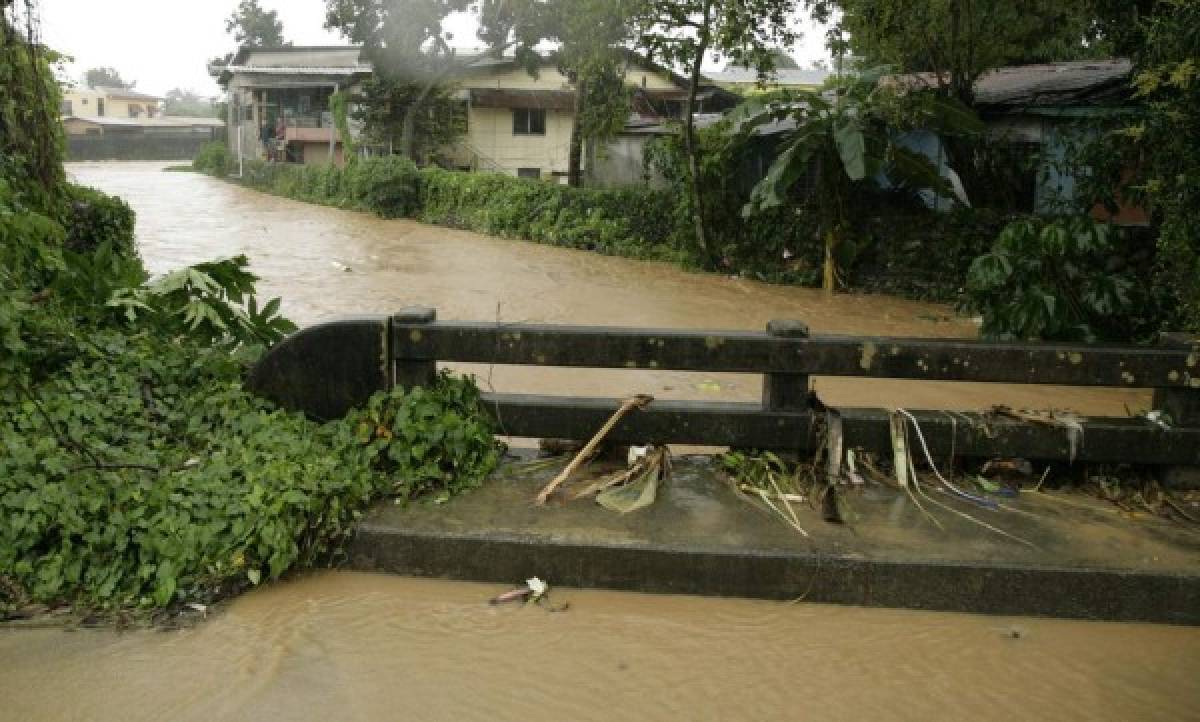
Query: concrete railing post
[(411, 369), (1182, 405), (783, 391)]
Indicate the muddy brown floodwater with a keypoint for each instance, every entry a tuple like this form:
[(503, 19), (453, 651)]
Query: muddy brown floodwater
[(325, 262), (340, 645)]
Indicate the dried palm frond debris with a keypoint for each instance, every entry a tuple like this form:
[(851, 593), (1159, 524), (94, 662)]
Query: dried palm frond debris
[(632, 404)]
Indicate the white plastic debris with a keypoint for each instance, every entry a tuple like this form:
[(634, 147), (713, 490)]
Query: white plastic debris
[(636, 454), (537, 588)]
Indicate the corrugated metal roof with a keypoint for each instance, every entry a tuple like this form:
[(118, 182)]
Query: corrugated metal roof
[(783, 76), (299, 70), (125, 93), (1044, 85)]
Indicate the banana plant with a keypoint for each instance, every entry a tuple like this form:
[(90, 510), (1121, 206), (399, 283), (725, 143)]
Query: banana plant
[(847, 138)]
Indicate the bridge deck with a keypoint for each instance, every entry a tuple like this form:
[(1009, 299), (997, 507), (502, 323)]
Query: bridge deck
[(1091, 561)]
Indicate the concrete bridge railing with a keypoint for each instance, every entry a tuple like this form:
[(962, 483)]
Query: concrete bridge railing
[(325, 370)]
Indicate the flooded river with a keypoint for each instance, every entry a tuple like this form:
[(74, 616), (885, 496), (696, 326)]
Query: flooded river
[(341, 646), (356, 646), (325, 262)]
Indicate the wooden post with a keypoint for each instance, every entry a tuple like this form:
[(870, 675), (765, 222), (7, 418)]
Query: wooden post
[(411, 369), (783, 391)]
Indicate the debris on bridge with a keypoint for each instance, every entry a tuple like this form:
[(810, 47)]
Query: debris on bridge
[(631, 404)]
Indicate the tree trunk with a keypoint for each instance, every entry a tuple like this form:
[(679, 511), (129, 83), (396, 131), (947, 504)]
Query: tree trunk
[(689, 145), (407, 132), (408, 128), (830, 267), (575, 156)]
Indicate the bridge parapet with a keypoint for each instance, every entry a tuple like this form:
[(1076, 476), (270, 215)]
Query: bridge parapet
[(327, 369)]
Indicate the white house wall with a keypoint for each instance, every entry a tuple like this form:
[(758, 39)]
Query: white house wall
[(491, 139), (493, 145)]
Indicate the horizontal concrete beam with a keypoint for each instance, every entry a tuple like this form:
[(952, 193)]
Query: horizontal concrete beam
[(750, 352), (978, 588), (699, 537), (1104, 440)]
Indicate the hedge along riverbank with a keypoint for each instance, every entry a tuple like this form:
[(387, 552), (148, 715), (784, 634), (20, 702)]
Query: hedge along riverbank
[(627, 222), (893, 256)]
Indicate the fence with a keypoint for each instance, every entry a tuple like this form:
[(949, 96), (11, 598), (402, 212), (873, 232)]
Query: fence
[(138, 146), (327, 369)]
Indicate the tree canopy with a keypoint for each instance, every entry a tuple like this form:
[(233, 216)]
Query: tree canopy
[(960, 41), (683, 33), (188, 103), (251, 25), (106, 77), (592, 38), (410, 49)]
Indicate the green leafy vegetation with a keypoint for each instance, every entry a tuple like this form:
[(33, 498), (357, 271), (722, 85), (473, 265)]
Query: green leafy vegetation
[(633, 222), (136, 471), (903, 249), (1166, 141), (961, 41), (429, 441), (683, 33), (1061, 279), (844, 144), (213, 159)]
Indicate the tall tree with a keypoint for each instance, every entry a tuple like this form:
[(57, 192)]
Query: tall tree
[(1163, 142), (959, 40), (106, 77), (592, 38), (683, 33), (409, 47), (180, 102), (251, 25)]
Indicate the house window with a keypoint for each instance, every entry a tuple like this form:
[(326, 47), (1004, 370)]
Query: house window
[(135, 111), (66, 108), (249, 115), (529, 121), (534, 173), (100, 107), (305, 104), (83, 100)]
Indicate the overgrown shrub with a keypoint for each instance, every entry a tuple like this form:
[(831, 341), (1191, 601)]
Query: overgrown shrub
[(778, 245), (97, 218), (1059, 279), (918, 254), (135, 470), (629, 222), (430, 441), (213, 158), (388, 186), (144, 475)]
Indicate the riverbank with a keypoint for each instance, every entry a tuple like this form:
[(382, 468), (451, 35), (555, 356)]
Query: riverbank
[(907, 252), (325, 262)]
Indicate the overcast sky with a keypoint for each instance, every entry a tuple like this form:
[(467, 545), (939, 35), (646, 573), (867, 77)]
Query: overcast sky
[(164, 44)]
